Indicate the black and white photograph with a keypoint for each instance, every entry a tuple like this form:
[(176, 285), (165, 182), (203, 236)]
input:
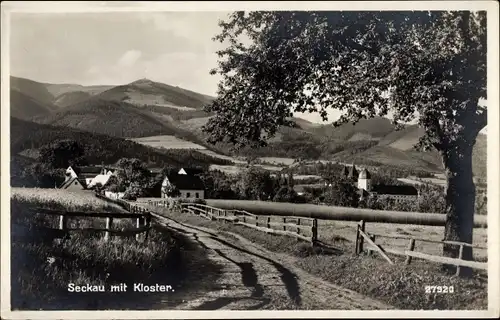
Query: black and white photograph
[(263, 157)]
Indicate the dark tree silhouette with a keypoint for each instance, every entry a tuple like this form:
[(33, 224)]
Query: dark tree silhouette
[(62, 153), (428, 66)]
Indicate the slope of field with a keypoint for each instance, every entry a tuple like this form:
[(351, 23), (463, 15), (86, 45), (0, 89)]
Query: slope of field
[(168, 142), (102, 148), (403, 139), (118, 119), (59, 89), (147, 92), (70, 98), (25, 107), (394, 157)]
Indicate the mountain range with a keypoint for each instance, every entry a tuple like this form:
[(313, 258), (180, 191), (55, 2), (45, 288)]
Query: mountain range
[(146, 108)]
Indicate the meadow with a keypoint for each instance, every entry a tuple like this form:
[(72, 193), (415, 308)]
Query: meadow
[(42, 267), (167, 142)]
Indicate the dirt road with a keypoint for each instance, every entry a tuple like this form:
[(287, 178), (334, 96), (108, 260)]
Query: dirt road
[(256, 279)]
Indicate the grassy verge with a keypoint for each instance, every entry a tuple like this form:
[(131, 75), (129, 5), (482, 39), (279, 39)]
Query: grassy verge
[(41, 269), (400, 285)]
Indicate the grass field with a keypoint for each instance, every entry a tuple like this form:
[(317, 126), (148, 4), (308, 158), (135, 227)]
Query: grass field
[(399, 285), (43, 268), (330, 231), (167, 142)]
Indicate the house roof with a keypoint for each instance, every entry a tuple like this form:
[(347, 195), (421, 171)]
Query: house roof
[(192, 171), (189, 182), (395, 190), (353, 173), (364, 174), (100, 178), (70, 182), (87, 170)]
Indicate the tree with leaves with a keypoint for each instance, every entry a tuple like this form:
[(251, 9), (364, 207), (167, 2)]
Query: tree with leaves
[(134, 176), (342, 193), (423, 66), (62, 153), (255, 184)]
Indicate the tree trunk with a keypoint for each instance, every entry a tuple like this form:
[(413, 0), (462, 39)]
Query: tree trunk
[(460, 197)]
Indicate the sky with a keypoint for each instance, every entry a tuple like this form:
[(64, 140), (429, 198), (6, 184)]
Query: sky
[(175, 48), (117, 48)]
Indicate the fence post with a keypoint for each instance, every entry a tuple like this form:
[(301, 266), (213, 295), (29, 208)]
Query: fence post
[(147, 222), (62, 222), (269, 222), (138, 225), (372, 238), (411, 246), (109, 223), (460, 255), (284, 224), (314, 231), (356, 246), (298, 226), (256, 221), (361, 238)]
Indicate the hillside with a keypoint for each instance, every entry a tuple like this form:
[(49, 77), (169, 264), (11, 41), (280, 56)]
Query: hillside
[(25, 107), (146, 92), (114, 118), (33, 89), (27, 136), (59, 89), (70, 98), (145, 108)]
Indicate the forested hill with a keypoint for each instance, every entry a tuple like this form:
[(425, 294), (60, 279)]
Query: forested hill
[(27, 137)]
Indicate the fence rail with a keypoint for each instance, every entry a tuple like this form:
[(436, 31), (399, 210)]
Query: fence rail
[(298, 227), (141, 217), (338, 213), (362, 236)]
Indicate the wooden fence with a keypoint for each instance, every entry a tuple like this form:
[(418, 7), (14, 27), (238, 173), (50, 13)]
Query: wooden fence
[(140, 216), (298, 227), (370, 238)]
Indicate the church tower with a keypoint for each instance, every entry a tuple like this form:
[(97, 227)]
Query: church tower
[(364, 180)]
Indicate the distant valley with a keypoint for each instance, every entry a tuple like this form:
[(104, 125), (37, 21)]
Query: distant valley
[(164, 116)]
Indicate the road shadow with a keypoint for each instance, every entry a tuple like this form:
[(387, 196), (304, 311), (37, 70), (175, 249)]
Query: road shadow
[(288, 278), (249, 277)]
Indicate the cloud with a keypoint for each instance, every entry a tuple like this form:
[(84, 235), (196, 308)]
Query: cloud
[(129, 58)]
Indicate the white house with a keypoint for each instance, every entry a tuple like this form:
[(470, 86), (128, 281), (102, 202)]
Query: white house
[(190, 186)]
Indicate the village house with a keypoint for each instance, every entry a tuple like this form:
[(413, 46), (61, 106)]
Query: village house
[(81, 178), (187, 181)]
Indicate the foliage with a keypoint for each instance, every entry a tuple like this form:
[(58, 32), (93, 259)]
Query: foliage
[(134, 176), (342, 193), (219, 185), (351, 66), (39, 175), (255, 184), (286, 194), (171, 191), (62, 153), (428, 66)]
